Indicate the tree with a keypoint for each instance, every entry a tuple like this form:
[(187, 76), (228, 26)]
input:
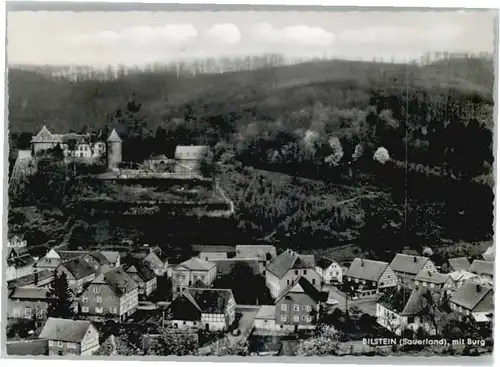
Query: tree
[(381, 155), (335, 157), (60, 297), (117, 346), (358, 152), (174, 343), (325, 342), (223, 347)]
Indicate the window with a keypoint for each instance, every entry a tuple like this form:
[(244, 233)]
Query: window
[(283, 307), (303, 307), (98, 299), (288, 282), (98, 310), (85, 299), (27, 312), (304, 318), (112, 309), (59, 343), (296, 308), (314, 281), (308, 318), (416, 282), (85, 309), (283, 317), (296, 272), (304, 272), (51, 343), (296, 318), (97, 290), (308, 308), (432, 285), (411, 319)]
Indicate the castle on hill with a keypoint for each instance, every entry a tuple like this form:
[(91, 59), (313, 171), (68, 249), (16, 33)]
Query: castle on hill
[(80, 146)]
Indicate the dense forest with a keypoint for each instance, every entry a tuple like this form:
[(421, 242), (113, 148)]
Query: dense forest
[(315, 154)]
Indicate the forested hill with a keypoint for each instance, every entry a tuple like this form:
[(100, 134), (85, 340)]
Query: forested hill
[(264, 94), (360, 152)]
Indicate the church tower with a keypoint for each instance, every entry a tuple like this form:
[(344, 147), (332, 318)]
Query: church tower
[(114, 150)]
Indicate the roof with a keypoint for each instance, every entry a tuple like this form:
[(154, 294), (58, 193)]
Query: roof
[(266, 312), (35, 347), (481, 267), (190, 151), (44, 262), (461, 275), (112, 256), (431, 277), (290, 260), (404, 301), (158, 157), (79, 268), (470, 294), (370, 270), (459, 263), (73, 136), (411, 264), (213, 248), (30, 279), (263, 252), (65, 330), (196, 263), (29, 293), (113, 137), (302, 285), (69, 255), (209, 300), (44, 135), (118, 280), (142, 269), (324, 263), (489, 254), (99, 256), (21, 261)]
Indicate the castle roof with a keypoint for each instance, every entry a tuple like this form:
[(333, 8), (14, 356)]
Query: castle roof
[(113, 137)]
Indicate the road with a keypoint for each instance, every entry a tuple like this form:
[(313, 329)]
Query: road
[(245, 324)]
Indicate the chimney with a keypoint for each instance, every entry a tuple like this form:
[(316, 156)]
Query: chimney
[(478, 288), (414, 259)]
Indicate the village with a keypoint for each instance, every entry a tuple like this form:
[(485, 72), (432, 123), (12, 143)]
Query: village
[(267, 299)]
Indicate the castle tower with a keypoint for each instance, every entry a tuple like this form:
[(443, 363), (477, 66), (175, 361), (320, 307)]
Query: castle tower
[(114, 150)]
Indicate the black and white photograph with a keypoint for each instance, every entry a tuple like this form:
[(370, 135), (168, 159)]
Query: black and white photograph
[(249, 182)]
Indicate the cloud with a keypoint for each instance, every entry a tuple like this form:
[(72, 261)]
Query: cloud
[(225, 33), (170, 33), (298, 35), (400, 34)]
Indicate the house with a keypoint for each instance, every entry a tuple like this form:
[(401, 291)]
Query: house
[(483, 268), (489, 254), (155, 259), (458, 263), (203, 308), (265, 319), (73, 145), (434, 281), (187, 273), (78, 273), (214, 252), (264, 253), (329, 270), (50, 261), (402, 309), (226, 266), (407, 267), (94, 258), (113, 258), (26, 303), (368, 277), (189, 157), (70, 337), (283, 270), (298, 306), (19, 263), (39, 279), (143, 275), (112, 295), (473, 299)]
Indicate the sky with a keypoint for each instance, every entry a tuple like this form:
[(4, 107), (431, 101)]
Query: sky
[(138, 38)]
